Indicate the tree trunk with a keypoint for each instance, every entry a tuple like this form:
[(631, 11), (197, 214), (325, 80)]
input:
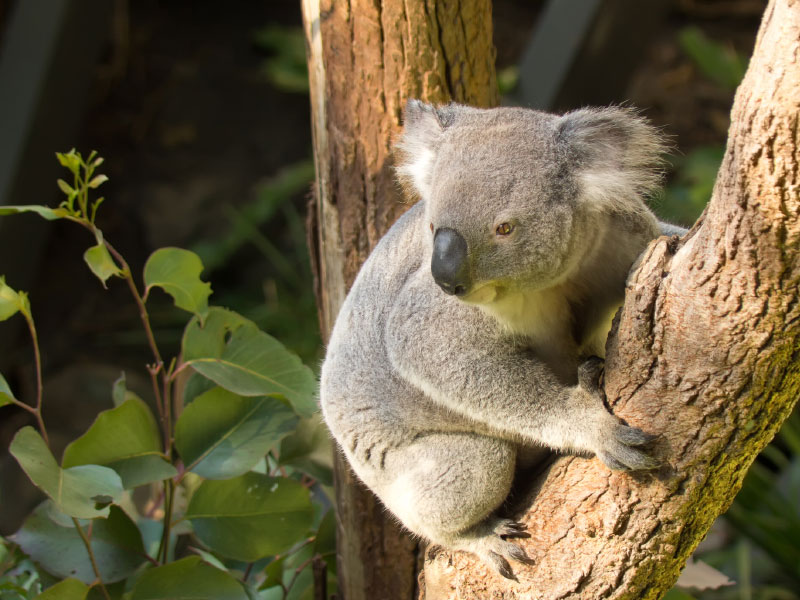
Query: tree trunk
[(706, 354), (366, 58), (705, 351)]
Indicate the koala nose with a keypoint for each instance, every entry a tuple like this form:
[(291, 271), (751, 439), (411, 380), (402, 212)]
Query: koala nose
[(449, 265)]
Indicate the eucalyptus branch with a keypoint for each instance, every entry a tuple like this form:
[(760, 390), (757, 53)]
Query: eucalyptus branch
[(297, 572), (154, 370), (95, 568), (37, 412)]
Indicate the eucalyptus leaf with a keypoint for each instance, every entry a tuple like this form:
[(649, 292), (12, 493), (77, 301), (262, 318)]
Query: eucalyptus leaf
[(250, 517), (6, 396), (55, 544), (51, 214), (195, 386), (233, 352), (309, 449), (177, 272), (101, 263), (11, 301), (120, 392), (68, 589), (222, 435), (75, 491), (126, 439), (187, 579)]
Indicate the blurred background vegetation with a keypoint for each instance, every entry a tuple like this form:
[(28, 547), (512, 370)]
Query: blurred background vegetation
[(202, 114)]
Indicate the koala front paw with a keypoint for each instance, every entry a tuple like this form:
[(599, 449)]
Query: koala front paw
[(625, 449)]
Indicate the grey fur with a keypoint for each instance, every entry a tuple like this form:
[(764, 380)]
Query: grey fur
[(430, 395)]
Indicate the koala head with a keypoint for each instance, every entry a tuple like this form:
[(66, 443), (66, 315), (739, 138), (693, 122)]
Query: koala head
[(513, 196)]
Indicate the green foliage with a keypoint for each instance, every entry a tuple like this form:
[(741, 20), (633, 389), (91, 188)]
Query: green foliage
[(6, 396), (177, 272), (206, 465), (234, 353), (68, 589), (690, 189), (187, 579), (125, 438), (12, 302), (286, 68), (222, 435), (52, 540), (83, 492), (720, 63), (232, 516)]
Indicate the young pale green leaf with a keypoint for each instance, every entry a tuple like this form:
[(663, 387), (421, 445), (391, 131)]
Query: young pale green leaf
[(126, 439), (177, 272), (66, 188), (222, 435), (187, 579), (76, 491), (70, 159), (52, 541), (51, 214), (101, 263), (250, 517), (233, 352), (11, 301), (68, 589), (97, 181), (6, 396)]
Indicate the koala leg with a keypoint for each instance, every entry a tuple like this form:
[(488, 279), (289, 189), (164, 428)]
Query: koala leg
[(447, 487)]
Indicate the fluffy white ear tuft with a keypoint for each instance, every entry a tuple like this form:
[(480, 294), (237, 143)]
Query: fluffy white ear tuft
[(424, 126), (618, 155)]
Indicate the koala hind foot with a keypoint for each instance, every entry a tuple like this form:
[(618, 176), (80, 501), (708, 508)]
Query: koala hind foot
[(488, 541)]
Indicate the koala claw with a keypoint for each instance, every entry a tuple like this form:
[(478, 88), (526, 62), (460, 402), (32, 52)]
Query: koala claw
[(498, 553), (623, 453), (507, 528)]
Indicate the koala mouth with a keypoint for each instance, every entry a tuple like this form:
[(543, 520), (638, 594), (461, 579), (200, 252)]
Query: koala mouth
[(481, 295)]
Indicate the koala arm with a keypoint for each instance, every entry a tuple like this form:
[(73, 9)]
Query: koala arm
[(456, 355)]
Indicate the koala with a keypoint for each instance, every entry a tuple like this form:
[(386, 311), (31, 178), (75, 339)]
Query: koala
[(465, 337)]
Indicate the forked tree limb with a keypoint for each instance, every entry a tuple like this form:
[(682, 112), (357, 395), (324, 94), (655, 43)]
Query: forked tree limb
[(706, 354), (706, 348)]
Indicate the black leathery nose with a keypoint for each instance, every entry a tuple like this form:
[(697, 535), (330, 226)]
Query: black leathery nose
[(449, 264)]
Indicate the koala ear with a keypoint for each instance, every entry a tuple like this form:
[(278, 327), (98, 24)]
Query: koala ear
[(424, 125), (618, 155)]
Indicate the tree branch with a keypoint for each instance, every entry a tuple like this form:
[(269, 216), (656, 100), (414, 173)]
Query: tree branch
[(705, 354)]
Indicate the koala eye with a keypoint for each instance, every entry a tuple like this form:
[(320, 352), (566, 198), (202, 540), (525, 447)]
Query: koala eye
[(431, 227), (504, 229)]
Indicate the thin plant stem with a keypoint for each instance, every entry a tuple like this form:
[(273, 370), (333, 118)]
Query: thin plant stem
[(38, 362), (169, 494), (153, 370), (128, 275), (88, 545), (297, 572), (247, 572), (167, 399)]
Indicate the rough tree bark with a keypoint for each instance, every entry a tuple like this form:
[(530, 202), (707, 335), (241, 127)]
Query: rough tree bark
[(705, 351), (366, 57)]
